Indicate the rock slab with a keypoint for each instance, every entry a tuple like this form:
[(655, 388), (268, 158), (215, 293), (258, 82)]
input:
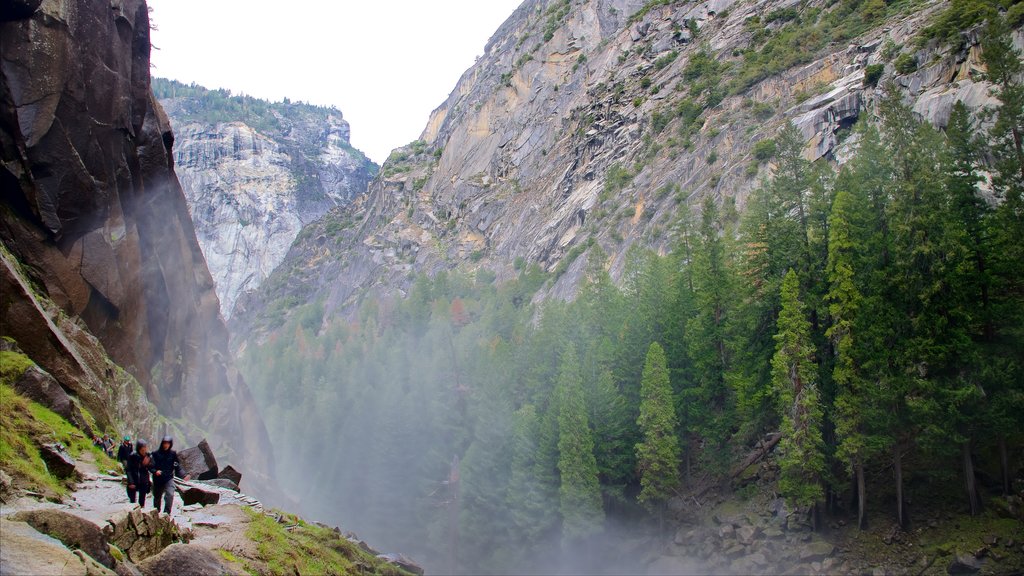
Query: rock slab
[(26, 551), (57, 460), (73, 531), (199, 461), (184, 559)]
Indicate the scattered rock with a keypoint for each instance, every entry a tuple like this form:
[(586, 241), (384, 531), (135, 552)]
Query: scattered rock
[(964, 564), (991, 540), (57, 460), (6, 487), (92, 567), (141, 534), (816, 551), (196, 495), (184, 559), (773, 532), (747, 534), (223, 483), (73, 531), (26, 551), (127, 569), (229, 473), (403, 563), (726, 531), (199, 461)]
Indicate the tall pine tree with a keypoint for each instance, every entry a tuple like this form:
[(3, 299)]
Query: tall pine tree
[(658, 454)]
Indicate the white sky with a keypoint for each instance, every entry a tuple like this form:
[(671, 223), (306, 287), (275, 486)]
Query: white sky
[(386, 64)]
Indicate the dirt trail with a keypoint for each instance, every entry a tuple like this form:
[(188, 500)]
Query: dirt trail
[(101, 496)]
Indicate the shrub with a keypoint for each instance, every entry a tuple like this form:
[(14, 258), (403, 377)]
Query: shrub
[(872, 74), (764, 149), (906, 63), (665, 60)]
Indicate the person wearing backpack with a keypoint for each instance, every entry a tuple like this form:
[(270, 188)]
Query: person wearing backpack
[(137, 469), (124, 450)]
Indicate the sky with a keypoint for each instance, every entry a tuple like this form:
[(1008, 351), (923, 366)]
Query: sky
[(386, 64)]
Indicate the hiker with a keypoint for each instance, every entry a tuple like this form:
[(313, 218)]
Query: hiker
[(137, 469), (108, 445), (165, 467), (125, 450)]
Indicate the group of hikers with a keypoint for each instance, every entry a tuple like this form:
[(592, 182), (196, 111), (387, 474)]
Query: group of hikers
[(106, 443), (146, 471)]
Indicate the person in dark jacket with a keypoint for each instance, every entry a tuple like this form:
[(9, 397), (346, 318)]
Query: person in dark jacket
[(137, 468), (165, 467), (124, 450)]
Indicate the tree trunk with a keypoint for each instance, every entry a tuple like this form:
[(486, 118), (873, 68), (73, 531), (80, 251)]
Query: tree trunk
[(1005, 461), (972, 492), (897, 462), (862, 497)]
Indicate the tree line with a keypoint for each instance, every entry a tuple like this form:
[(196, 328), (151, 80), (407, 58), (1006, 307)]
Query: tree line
[(871, 317)]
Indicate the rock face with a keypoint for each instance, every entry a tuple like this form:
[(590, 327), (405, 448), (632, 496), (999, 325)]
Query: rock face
[(594, 123), (93, 209), (252, 182)]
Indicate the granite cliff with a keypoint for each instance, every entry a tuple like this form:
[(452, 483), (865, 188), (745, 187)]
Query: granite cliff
[(104, 284), (254, 173), (594, 123)]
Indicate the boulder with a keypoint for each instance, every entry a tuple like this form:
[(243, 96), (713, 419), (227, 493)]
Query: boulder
[(73, 531), (816, 551), (726, 531), (223, 483), (229, 473), (57, 460), (747, 534), (36, 384), (403, 563), (199, 461), (26, 551), (964, 564), (193, 494), (92, 567), (143, 534), (184, 559)]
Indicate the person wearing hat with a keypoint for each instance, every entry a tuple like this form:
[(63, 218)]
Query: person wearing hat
[(137, 469), (165, 467), (124, 450)]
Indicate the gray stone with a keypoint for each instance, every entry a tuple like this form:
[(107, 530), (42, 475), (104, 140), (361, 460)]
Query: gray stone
[(142, 534), (184, 559), (816, 551), (73, 531), (26, 551), (229, 473), (6, 487), (199, 461), (223, 483), (92, 567), (194, 494), (964, 564), (58, 461), (747, 534)]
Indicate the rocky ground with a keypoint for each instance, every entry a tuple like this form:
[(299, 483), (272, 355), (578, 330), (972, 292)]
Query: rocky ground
[(747, 530), (96, 531)]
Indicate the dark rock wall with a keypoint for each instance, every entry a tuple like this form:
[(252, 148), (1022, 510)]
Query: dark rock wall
[(92, 207)]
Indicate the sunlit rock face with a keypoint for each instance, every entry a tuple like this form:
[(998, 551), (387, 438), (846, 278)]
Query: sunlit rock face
[(94, 213), (250, 190), (593, 124)]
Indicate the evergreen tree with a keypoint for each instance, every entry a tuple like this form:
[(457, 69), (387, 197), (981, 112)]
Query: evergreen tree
[(580, 493), (794, 374), (708, 341), (528, 498), (658, 454)]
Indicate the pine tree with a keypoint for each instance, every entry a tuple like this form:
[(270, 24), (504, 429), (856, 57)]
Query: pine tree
[(528, 498), (658, 454), (708, 341), (794, 374), (580, 492)]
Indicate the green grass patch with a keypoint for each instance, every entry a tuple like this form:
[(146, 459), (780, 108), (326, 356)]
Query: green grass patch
[(305, 549), (12, 366)]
